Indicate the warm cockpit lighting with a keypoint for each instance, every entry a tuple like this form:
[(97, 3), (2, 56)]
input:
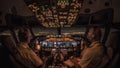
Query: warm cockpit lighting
[(56, 13), (63, 3), (37, 47)]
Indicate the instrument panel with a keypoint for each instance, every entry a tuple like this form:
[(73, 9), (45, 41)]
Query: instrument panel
[(56, 49)]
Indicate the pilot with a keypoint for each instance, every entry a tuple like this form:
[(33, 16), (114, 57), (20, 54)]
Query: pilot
[(25, 54), (92, 55)]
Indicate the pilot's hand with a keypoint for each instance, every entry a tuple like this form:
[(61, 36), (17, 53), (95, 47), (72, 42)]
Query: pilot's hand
[(71, 57), (74, 59), (37, 47)]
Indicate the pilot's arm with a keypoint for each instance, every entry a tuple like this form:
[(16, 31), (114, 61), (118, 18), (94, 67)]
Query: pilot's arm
[(36, 60), (85, 60), (81, 62)]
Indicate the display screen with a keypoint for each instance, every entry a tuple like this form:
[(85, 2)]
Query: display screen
[(53, 49), (50, 44), (67, 44), (44, 44), (60, 44), (74, 43)]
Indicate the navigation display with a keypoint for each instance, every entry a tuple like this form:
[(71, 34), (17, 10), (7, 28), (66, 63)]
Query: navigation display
[(60, 44), (50, 44), (44, 44), (67, 44)]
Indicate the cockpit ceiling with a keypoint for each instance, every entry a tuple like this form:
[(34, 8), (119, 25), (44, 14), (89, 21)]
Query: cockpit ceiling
[(55, 13)]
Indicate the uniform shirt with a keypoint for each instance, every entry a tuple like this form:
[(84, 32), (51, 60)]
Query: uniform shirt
[(28, 57), (92, 56)]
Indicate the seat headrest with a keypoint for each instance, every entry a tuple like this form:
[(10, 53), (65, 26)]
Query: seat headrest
[(8, 42), (113, 39)]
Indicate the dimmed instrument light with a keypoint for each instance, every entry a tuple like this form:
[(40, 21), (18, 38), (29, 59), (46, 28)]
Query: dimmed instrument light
[(63, 3), (56, 13)]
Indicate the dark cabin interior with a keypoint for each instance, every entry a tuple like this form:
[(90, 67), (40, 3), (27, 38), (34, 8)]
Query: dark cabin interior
[(57, 28)]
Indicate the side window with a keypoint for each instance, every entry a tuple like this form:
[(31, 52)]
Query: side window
[(74, 30)]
